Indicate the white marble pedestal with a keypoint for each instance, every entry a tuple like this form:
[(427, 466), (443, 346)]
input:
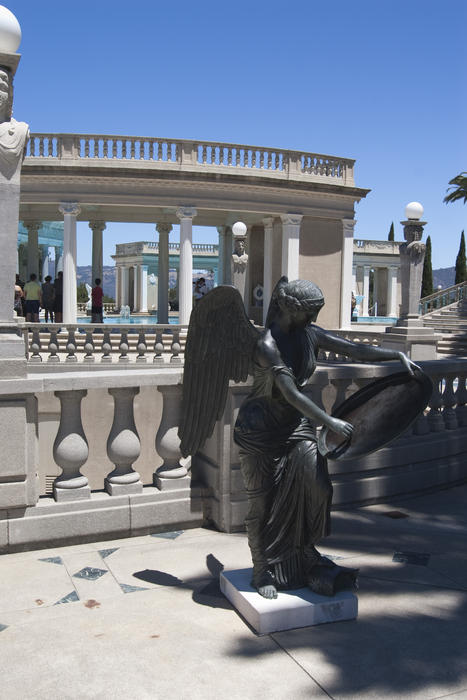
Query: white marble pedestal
[(291, 609)]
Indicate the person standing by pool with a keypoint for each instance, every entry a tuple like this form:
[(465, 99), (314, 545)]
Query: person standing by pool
[(48, 296), (33, 296), (96, 302), (58, 301)]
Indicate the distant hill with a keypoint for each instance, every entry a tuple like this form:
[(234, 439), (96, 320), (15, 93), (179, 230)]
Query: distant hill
[(445, 277), (84, 274)]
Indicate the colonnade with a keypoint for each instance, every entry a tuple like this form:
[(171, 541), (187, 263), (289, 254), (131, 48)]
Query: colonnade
[(383, 291), (290, 224)]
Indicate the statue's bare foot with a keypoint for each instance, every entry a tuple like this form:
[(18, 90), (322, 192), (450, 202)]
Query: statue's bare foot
[(268, 591)]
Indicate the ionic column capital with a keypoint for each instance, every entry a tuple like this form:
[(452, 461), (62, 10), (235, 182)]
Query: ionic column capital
[(348, 226), (97, 225), (186, 213), (163, 228), (268, 222), (69, 208), (32, 225), (291, 219)]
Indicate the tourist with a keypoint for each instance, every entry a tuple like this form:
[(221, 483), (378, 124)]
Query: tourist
[(48, 297), (58, 301), (33, 296), (96, 301), (18, 302), (200, 289), (20, 284)]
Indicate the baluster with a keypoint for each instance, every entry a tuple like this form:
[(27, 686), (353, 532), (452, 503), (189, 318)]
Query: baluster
[(342, 386), (141, 150), (106, 346), (35, 346), (449, 400), (114, 148), (160, 151), (461, 400), (229, 155), (70, 450), (53, 346), (48, 147), (321, 356), (107, 143), (332, 357), (213, 155), (123, 445), (41, 146), (89, 346), (158, 349), (96, 148), (168, 442), (175, 348), (123, 346), (132, 149), (141, 347), (86, 148), (435, 418), (71, 346)]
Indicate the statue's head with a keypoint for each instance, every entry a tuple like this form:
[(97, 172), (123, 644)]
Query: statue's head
[(239, 246), (295, 304), (6, 94)]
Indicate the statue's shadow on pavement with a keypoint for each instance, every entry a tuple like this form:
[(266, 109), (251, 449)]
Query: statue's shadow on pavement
[(206, 589)]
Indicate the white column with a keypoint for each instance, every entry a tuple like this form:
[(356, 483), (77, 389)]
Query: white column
[(33, 246), (268, 223), (125, 280), (291, 245), (143, 299), (45, 261), (366, 289), (135, 288), (97, 227), (118, 286), (163, 230), (221, 266), (392, 292), (58, 260), (70, 211), (346, 272), (186, 215), (354, 279)]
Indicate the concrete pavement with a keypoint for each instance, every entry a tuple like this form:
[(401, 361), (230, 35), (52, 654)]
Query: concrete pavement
[(144, 617)]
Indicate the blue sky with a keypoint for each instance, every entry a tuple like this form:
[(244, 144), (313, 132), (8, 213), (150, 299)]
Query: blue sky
[(381, 82)]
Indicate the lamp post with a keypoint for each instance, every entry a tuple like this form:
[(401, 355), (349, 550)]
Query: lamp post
[(409, 334)]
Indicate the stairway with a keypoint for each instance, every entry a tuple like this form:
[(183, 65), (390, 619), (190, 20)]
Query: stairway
[(451, 322)]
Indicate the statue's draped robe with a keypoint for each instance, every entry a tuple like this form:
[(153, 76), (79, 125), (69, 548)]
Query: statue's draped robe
[(285, 477)]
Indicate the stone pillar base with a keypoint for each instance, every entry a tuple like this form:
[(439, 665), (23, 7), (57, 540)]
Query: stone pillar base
[(122, 489), (412, 338), (79, 494)]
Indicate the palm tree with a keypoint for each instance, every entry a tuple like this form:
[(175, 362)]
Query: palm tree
[(458, 187)]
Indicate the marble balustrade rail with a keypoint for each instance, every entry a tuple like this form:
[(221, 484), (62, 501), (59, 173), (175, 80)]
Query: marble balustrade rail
[(128, 344), (195, 154)]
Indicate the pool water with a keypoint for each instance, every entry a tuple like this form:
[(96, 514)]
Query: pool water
[(134, 320)]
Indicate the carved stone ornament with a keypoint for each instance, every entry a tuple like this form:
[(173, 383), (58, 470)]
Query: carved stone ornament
[(413, 232), (239, 256), (13, 134)]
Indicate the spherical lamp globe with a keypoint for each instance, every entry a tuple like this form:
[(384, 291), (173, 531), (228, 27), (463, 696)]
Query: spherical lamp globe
[(413, 211), (239, 228), (10, 31)]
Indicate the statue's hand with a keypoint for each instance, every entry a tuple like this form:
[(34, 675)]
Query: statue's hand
[(341, 427), (408, 364)]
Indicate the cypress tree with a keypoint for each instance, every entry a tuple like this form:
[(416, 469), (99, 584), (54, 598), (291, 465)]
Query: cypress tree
[(461, 266), (391, 232), (427, 279)]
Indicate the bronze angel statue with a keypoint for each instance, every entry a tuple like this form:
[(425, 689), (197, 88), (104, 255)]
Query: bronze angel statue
[(286, 477)]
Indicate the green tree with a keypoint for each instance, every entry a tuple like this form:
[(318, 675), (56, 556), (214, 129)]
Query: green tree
[(108, 300), (81, 294), (427, 279), (391, 232), (458, 187), (461, 266)]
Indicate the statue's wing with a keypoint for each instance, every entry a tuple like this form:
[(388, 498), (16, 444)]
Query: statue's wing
[(219, 347)]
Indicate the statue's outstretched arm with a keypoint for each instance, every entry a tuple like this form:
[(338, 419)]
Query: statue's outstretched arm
[(360, 352)]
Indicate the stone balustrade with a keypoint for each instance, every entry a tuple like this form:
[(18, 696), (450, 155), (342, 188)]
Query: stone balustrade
[(97, 344), (129, 344), (197, 155), (443, 297), (139, 481), (108, 308)]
